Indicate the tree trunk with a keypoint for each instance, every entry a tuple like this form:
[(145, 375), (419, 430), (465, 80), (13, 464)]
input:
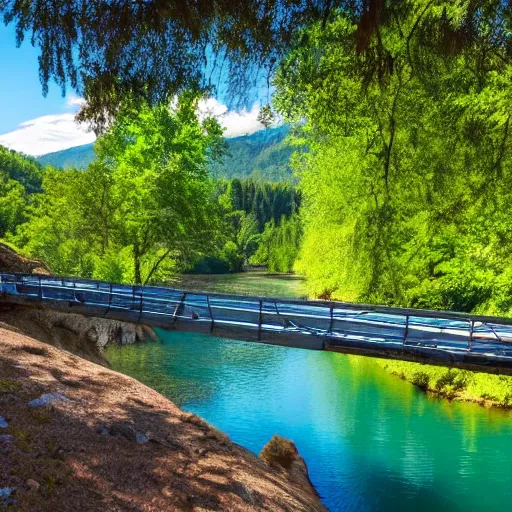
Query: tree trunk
[(136, 264)]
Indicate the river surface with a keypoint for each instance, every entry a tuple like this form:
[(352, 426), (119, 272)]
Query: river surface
[(371, 441)]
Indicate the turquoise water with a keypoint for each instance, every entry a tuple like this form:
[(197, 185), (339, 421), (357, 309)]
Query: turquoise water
[(371, 441)]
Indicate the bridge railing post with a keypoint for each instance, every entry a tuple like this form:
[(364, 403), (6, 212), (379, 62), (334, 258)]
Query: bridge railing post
[(260, 319), (471, 331), (212, 325), (178, 309), (406, 329), (331, 321), (140, 304)]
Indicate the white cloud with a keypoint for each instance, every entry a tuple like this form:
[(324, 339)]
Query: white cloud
[(47, 134), (236, 123), (75, 101), (51, 133)]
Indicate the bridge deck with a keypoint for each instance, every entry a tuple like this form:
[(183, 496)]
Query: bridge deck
[(453, 339)]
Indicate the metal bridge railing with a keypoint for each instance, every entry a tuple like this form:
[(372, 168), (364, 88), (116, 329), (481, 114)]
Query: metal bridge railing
[(212, 312)]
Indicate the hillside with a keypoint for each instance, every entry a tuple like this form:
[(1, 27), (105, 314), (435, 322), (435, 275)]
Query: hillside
[(262, 154), (78, 436), (79, 157), (25, 170)]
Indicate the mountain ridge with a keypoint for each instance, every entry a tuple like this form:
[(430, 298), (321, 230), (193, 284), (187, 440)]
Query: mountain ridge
[(264, 154)]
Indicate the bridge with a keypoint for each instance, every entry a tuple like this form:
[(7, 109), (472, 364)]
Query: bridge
[(474, 342)]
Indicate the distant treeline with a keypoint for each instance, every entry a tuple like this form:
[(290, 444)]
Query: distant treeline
[(254, 213), (266, 201)]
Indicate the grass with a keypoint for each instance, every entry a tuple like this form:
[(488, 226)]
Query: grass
[(453, 383), (279, 451), (9, 386), (22, 438)]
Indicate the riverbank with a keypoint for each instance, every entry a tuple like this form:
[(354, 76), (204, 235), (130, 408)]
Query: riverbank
[(453, 384), (77, 436)]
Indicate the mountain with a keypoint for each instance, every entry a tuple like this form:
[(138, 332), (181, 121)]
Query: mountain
[(264, 154), (78, 157)]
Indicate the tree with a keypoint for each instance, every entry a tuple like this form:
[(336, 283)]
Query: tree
[(145, 201), (56, 230), (13, 204), (151, 50), (21, 168), (20, 178), (405, 188), (279, 244)]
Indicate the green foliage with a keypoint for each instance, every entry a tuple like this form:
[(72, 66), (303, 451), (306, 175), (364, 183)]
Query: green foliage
[(405, 188), (23, 169), (141, 207), (221, 264), (57, 230), (13, 204), (20, 176), (152, 50), (279, 244), (265, 201), (246, 207), (453, 383)]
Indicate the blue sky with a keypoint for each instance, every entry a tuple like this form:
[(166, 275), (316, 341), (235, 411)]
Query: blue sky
[(35, 125), (21, 95)]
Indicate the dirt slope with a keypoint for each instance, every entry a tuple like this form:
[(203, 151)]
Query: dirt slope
[(13, 263), (108, 443)]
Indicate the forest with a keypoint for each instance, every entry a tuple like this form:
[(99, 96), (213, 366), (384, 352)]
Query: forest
[(403, 194), (146, 207), (406, 189)]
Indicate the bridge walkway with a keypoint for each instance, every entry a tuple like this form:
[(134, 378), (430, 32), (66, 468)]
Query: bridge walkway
[(462, 340)]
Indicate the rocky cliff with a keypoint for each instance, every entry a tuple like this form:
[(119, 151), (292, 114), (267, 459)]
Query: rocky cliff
[(84, 336)]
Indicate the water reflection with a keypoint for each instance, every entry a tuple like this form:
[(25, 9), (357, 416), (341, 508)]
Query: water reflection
[(371, 441)]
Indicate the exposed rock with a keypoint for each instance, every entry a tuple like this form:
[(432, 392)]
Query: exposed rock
[(13, 263), (141, 438), (102, 429), (123, 429), (33, 485), (5, 493), (48, 398), (84, 336), (3, 423)]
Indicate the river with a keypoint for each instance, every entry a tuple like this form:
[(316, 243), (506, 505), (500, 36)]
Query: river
[(371, 441)]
